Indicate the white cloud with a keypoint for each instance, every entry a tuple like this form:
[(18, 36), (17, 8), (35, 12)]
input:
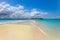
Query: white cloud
[(8, 11)]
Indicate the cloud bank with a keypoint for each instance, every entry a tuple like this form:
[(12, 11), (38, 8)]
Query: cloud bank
[(18, 12)]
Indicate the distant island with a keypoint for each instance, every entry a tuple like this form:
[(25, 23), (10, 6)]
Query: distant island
[(21, 19), (37, 18)]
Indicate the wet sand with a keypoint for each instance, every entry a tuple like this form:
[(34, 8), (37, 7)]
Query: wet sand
[(21, 31)]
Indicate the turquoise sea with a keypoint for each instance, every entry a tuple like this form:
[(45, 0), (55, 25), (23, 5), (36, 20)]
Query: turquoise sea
[(54, 24), (50, 26)]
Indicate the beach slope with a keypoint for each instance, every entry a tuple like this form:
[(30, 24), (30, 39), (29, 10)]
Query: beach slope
[(21, 31)]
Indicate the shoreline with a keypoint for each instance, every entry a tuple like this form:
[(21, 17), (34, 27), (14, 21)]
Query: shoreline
[(25, 30), (25, 22), (17, 21)]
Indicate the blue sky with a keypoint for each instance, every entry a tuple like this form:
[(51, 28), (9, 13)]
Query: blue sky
[(49, 6)]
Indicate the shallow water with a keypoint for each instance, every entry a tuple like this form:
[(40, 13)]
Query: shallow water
[(51, 27)]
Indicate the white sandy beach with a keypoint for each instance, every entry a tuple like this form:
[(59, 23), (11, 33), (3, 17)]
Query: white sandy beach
[(21, 31)]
